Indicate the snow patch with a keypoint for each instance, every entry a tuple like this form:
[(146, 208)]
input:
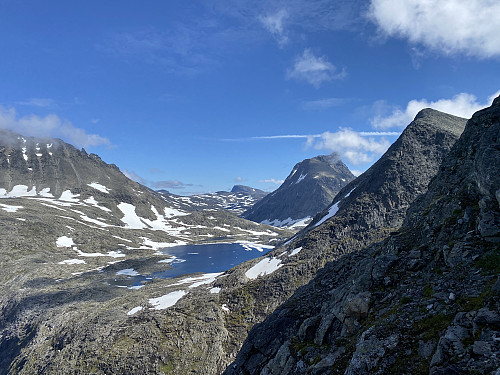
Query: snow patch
[(196, 281), (130, 218), (64, 241), (135, 310), (18, 191), (265, 267), (333, 210), (99, 187), (91, 201), (301, 177), (215, 290), (8, 208), (72, 261), (295, 251), (248, 246), (128, 272), (67, 196), (289, 222), (166, 301)]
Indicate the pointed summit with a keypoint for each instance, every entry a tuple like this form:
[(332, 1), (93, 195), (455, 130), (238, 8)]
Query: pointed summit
[(308, 189)]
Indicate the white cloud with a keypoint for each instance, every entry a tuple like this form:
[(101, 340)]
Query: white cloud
[(238, 179), (274, 23), (48, 126), (352, 146), (273, 181), (314, 70), (448, 26), (462, 105)]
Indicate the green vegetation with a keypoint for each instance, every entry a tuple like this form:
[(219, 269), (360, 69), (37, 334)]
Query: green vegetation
[(431, 326), (489, 262)]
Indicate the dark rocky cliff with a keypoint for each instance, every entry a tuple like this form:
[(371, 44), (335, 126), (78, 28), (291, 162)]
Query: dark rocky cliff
[(308, 189), (424, 300)]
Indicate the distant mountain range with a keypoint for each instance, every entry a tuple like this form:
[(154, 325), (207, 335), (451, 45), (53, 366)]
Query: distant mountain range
[(238, 200), (307, 190)]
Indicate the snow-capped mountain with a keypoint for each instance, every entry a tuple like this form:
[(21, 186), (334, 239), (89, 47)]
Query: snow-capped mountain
[(238, 200), (309, 189)]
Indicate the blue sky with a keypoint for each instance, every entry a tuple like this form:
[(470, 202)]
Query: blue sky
[(196, 96)]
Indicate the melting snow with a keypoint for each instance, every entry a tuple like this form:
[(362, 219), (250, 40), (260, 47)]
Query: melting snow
[(99, 187), (196, 281), (265, 267), (8, 208), (289, 222), (67, 196), (332, 210), (130, 218), (128, 272), (91, 200), (64, 242), (72, 261), (166, 301), (248, 246), (18, 191), (295, 251), (215, 290), (135, 310), (225, 308)]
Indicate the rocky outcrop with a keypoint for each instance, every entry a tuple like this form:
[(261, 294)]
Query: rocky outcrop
[(424, 300), (308, 189)]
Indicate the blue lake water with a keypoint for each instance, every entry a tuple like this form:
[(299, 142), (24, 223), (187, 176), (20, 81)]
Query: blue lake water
[(206, 258)]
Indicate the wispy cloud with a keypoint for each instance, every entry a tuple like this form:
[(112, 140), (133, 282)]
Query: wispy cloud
[(321, 104), (169, 184), (307, 136), (272, 181), (315, 70), (134, 176), (274, 23), (39, 102), (446, 26), (165, 184), (462, 105), (49, 126)]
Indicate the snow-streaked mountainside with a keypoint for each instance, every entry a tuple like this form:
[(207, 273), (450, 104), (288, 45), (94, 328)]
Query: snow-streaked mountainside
[(238, 200), (309, 188), (51, 182)]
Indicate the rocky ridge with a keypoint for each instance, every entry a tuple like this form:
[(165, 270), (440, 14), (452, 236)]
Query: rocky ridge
[(309, 188), (424, 300), (236, 201)]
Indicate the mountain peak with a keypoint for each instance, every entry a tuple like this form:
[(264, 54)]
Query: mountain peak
[(439, 120), (307, 190)]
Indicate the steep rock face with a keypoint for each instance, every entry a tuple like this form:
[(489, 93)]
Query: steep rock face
[(48, 167), (425, 300), (308, 189), (368, 215)]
